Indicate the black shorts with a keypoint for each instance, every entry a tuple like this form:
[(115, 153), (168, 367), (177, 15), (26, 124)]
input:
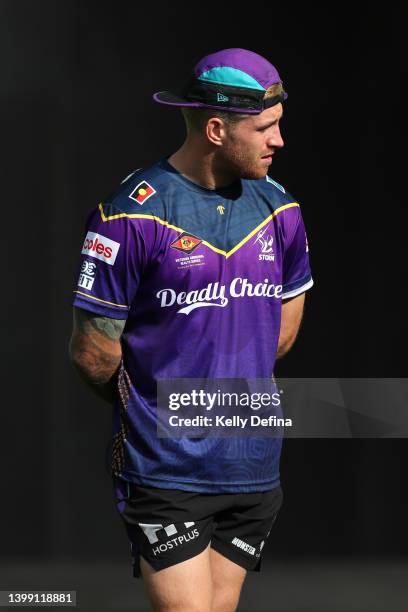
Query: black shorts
[(168, 526)]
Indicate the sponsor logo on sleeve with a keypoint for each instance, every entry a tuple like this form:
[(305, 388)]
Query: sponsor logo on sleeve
[(186, 243), (87, 275), (100, 247), (142, 192)]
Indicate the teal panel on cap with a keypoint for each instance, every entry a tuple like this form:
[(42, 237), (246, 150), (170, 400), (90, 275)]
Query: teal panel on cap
[(230, 76)]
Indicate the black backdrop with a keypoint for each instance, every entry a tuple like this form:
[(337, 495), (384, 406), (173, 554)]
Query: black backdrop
[(76, 117)]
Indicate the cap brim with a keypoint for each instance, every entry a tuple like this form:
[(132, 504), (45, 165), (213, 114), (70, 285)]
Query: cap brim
[(172, 98), (176, 98)]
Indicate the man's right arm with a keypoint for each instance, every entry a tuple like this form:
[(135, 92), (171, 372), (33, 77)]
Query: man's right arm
[(95, 351)]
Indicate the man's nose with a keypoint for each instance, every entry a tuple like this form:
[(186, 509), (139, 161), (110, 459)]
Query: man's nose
[(276, 140)]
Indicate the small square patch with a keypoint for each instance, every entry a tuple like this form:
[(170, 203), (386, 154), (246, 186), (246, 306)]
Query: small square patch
[(142, 192), (186, 242)]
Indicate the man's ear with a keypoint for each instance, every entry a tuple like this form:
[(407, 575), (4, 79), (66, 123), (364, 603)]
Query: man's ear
[(215, 130)]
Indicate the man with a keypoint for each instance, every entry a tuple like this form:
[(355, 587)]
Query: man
[(196, 267)]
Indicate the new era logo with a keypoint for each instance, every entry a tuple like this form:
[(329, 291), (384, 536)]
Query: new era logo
[(222, 98)]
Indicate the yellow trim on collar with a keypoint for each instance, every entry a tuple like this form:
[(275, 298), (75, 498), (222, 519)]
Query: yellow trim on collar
[(179, 229)]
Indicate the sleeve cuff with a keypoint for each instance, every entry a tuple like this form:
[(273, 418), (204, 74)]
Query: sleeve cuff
[(99, 306), (293, 291)]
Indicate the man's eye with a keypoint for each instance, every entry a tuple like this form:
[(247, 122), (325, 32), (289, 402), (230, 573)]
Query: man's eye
[(263, 129)]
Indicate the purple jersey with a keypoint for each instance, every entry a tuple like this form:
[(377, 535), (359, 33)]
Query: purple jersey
[(199, 275)]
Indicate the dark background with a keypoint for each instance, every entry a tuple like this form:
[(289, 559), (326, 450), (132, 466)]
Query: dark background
[(77, 117)]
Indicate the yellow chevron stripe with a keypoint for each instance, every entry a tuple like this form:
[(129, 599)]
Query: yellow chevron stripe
[(264, 222), (99, 300), (179, 229), (137, 216)]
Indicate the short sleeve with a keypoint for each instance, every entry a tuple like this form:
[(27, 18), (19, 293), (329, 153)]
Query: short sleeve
[(297, 276), (111, 262)]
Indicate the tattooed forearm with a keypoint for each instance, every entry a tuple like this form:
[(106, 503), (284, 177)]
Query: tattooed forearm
[(96, 351), (100, 377), (96, 362)]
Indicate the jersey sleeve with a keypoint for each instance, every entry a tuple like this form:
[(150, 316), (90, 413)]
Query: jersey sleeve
[(297, 276), (111, 263)]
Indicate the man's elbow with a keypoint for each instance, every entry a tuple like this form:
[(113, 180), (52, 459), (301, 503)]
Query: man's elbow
[(81, 359), (98, 369), (284, 346), (93, 364), (77, 352)]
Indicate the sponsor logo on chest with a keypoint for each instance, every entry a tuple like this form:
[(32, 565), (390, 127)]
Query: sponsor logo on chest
[(215, 294)]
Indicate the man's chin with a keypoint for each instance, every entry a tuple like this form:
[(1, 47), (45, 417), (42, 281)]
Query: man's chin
[(255, 174)]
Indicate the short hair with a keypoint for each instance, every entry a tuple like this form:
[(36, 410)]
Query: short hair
[(196, 118)]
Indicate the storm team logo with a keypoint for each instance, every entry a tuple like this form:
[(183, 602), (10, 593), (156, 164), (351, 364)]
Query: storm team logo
[(265, 242), (142, 192), (186, 243)]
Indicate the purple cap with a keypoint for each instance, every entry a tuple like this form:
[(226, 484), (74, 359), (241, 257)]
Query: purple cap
[(232, 80)]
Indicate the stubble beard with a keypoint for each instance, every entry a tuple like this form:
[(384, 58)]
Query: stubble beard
[(244, 166)]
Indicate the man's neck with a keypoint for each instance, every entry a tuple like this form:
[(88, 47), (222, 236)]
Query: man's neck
[(200, 167)]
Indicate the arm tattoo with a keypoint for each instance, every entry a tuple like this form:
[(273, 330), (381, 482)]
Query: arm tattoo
[(96, 351), (85, 321)]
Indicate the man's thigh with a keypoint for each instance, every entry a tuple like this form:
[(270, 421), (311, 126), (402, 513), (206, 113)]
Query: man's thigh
[(227, 580), (208, 582), (185, 587)]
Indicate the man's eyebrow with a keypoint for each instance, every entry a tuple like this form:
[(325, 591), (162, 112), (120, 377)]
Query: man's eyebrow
[(262, 127)]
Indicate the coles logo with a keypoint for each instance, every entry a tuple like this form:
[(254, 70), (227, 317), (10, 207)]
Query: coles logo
[(100, 247)]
